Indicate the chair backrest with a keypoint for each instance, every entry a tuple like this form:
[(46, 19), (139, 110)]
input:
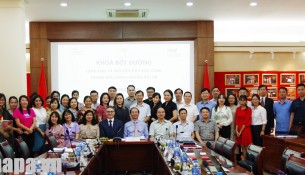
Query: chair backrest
[(6, 150), (52, 142), (295, 166), (219, 145), (21, 148), (287, 152), (229, 150), (254, 154)]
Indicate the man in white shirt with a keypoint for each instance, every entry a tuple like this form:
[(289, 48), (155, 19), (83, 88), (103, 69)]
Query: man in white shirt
[(144, 108), (192, 110), (178, 96), (161, 127), (94, 97), (183, 129)]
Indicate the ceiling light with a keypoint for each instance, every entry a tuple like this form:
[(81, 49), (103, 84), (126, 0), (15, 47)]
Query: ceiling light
[(189, 4), (253, 4), (127, 4), (64, 4)]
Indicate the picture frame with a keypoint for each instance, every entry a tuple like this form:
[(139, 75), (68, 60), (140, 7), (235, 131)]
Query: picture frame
[(269, 79), (272, 93), (287, 79), (291, 93), (232, 79), (251, 92), (302, 78), (251, 79), (232, 91)]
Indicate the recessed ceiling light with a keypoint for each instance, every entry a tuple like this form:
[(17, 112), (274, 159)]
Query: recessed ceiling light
[(253, 4), (64, 4), (127, 4), (189, 4)]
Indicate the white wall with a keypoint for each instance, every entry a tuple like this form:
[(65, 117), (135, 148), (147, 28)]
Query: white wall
[(12, 48)]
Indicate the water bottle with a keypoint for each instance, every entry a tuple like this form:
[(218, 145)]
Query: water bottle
[(195, 170)]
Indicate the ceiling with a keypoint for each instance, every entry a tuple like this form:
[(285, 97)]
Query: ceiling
[(235, 20)]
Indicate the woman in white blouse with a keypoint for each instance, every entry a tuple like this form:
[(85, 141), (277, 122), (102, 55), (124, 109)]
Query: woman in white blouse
[(259, 120), (222, 114), (89, 128), (41, 121)]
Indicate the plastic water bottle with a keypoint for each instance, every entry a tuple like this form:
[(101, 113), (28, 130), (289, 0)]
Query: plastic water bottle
[(195, 170)]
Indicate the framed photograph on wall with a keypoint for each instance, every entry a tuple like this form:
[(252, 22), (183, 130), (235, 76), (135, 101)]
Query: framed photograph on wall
[(302, 78), (287, 79), (272, 93), (232, 91), (252, 91), (232, 79), (251, 79), (291, 93), (269, 79)]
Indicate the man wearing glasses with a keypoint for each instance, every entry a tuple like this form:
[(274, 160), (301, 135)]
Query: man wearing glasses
[(111, 127)]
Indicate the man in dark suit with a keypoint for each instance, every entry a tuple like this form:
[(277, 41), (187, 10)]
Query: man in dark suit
[(267, 103), (111, 127)]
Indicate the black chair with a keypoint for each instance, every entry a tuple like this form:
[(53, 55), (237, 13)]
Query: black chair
[(21, 148), (254, 160), (51, 142), (6, 150), (229, 150), (287, 152), (219, 145), (295, 166)]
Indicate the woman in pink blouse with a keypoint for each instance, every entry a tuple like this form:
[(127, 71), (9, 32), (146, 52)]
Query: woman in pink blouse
[(101, 109), (25, 119), (56, 129)]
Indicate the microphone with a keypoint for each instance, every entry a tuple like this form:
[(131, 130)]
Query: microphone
[(166, 132), (206, 165), (117, 139), (209, 145), (90, 155), (68, 133)]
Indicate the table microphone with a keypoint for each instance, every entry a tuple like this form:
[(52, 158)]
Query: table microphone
[(206, 165), (68, 133), (90, 155)]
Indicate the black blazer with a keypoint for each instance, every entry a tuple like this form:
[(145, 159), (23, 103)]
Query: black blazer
[(116, 131), (270, 113)]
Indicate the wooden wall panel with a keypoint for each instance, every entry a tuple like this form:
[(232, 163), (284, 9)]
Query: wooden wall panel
[(202, 32), (160, 30), (84, 30), (205, 29)]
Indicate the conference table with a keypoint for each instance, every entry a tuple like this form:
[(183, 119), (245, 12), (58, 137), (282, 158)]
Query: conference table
[(138, 156), (274, 148)]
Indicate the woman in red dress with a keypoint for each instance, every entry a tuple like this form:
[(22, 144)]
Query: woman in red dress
[(243, 122)]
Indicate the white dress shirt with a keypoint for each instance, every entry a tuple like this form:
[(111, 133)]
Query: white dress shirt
[(144, 110), (191, 109), (222, 115), (259, 115)]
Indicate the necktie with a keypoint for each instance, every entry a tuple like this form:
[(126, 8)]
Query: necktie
[(135, 129), (262, 102), (110, 123)]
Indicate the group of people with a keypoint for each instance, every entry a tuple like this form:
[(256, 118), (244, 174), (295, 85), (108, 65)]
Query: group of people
[(230, 117)]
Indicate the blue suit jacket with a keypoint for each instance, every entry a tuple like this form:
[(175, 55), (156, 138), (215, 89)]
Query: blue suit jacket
[(116, 131)]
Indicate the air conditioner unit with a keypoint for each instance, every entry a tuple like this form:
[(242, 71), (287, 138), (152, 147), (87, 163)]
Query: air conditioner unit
[(114, 13)]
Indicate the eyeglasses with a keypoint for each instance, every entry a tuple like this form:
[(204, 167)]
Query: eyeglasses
[(110, 111)]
